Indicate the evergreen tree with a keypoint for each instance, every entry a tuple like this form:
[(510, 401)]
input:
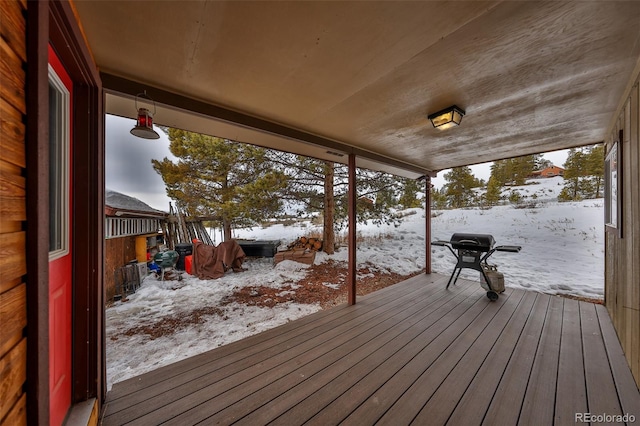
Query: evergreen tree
[(523, 167), (515, 197), (320, 186), (380, 187), (493, 194), (514, 171), (227, 182), (409, 195), (583, 174), (573, 170), (500, 171), (542, 163), (329, 208), (438, 199), (595, 169), (459, 187)]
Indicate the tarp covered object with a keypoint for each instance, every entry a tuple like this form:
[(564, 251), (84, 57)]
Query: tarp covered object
[(210, 262)]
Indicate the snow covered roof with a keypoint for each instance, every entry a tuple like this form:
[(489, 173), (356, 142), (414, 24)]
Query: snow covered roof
[(118, 204)]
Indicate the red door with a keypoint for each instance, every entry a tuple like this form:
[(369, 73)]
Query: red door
[(60, 238)]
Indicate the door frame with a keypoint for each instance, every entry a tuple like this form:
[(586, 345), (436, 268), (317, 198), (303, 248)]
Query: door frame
[(60, 253), (53, 22)]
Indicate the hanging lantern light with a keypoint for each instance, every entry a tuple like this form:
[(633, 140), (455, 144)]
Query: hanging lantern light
[(144, 122)]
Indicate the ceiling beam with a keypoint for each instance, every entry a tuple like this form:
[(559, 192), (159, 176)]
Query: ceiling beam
[(125, 87)]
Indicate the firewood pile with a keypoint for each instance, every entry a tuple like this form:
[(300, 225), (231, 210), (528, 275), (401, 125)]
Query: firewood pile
[(307, 243), (303, 250)]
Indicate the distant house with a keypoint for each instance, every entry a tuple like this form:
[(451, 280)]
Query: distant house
[(131, 231), (548, 172)]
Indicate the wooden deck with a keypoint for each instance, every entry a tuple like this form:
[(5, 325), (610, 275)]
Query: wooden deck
[(411, 353)]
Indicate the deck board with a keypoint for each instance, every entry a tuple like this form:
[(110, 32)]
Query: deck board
[(462, 330), (625, 385), (571, 392), (413, 352), (249, 345), (344, 361), (601, 390), (501, 332), (349, 390), (340, 342), (504, 375), (219, 378), (538, 407)]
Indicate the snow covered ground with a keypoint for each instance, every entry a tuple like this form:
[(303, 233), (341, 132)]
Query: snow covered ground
[(562, 253)]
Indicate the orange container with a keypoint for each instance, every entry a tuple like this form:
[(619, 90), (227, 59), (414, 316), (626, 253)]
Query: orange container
[(187, 263)]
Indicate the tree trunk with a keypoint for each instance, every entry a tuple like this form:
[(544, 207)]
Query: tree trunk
[(328, 233), (226, 227)]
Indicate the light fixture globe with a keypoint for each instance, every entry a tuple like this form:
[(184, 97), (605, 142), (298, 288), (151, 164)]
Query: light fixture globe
[(447, 118)]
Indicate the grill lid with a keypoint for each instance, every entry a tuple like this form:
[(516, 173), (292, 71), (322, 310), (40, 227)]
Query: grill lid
[(477, 242)]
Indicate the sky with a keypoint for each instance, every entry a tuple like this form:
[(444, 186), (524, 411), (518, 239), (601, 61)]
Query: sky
[(128, 162), (562, 253), (129, 169)]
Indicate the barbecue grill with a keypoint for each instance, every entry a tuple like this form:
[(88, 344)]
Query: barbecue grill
[(166, 260), (472, 251)]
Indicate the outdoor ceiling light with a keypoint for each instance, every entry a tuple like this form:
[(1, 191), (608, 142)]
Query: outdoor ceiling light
[(447, 118), (144, 123)]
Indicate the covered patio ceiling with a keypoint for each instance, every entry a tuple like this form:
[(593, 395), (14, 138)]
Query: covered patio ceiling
[(326, 79)]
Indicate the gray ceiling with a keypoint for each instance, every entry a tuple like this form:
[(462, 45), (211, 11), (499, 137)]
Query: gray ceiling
[(362, 76)]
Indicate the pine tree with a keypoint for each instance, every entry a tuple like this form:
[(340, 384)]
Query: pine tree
[(409, 195), (492, 196), (522, 168), (459, 187), (574, 169), (230, 183), (595, 169), (499, 172), (328, 232), (514, 171), (584, 173), (542, 163), (438, 199), (319, 186)]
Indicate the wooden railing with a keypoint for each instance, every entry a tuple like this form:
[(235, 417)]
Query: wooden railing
[(116, 227)]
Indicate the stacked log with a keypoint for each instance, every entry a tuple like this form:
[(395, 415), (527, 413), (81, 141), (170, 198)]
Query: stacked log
[(302, 250), (307, 243)]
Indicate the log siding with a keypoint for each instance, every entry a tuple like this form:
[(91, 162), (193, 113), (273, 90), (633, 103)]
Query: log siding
[(13, 214)]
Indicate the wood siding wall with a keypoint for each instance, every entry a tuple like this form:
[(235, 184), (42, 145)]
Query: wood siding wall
[(622, 260), (13, 299), (119, 252)]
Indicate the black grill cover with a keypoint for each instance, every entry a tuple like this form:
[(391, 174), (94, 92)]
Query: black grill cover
[(476, 242)]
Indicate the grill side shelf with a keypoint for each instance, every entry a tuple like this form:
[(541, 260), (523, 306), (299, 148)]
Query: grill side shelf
[(446, 244), (511, 249)]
